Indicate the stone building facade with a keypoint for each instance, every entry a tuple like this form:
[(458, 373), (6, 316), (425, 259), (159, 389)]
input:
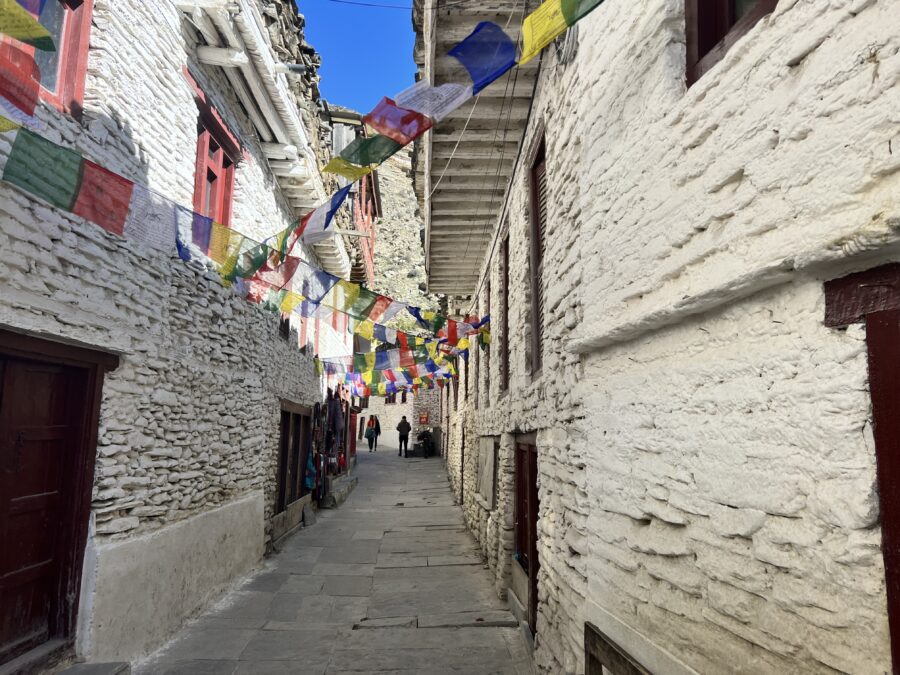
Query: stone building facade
[(180, 473), (706, 446)]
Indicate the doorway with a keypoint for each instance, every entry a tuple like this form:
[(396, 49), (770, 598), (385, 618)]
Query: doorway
[(526, 512), (49, 407), (293, 454)]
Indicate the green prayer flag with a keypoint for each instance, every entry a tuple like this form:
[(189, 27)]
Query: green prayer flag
[(573, 10), (44, 169), (363, 304), (373, 150), (359, 363)]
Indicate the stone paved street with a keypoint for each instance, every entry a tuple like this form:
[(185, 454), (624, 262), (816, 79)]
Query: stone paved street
[(390, 582)]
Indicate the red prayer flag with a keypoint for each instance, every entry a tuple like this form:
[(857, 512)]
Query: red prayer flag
[(278, 275), (379, 308), (103, 198), (398, 124)]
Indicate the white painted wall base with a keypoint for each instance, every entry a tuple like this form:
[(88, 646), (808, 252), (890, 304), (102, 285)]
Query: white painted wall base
[(140, 591)]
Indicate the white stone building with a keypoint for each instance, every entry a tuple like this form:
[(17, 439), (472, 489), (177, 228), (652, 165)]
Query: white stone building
[(160, 398), (663, 392)]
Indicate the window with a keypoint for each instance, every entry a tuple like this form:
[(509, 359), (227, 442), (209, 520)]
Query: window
[(284, 327), (456, 393), (713, 26), (504, 314), (214, 181), (488, 460), (217, 153), (538, 232), (27, 74)]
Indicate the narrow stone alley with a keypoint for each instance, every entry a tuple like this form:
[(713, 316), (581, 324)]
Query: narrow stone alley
[(390, 582)]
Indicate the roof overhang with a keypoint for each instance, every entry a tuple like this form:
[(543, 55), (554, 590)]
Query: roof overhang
[(467, 160), (238, 43)]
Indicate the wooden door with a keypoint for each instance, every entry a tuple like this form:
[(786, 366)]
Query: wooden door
[(526, 511), (44, 410)]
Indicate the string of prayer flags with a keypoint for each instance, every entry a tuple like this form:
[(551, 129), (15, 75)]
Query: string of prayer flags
[(434, 102), (548, 21), (372, 150), (399, 124), (486, 53), (66, 180), (17, 20), (427, 319), (314, 226)]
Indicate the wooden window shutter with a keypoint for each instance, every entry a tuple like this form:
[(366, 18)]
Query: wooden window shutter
[(539, 202)]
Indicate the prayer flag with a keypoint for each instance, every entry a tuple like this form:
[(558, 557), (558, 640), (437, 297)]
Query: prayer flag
[(18, 23), (382, 361), (151, 219), (378, 309), (103, 198), (342, 295), (549, 21), (366, 329), (21, 86), (394, 358), (362, 305), (486, 53), (366, 151), (434, 102), (399, 124), (314, 226), (342, 167), (390, 376), (44, 169), (290, 301), (359, 363), (315, 283)]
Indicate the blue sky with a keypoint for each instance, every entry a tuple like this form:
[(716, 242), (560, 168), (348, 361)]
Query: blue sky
[(366, 51)]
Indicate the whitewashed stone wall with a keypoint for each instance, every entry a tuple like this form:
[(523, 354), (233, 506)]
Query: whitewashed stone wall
[(707, 487), (190, 419)]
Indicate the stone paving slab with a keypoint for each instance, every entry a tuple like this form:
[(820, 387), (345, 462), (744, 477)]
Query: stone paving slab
[(371, 587)]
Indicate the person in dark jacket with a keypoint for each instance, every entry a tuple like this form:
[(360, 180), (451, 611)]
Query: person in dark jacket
[(403, 429), (377, 432)]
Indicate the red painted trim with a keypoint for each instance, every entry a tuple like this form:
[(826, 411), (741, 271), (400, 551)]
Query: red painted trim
[(850, 298), (213, 120), (883, 341)]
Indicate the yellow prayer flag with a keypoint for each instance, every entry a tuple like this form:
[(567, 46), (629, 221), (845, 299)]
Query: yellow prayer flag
[(342, 167), (432, 349), (382, 389), (290, 301), (7, 125), (370, 360), (463, 343), (223, 243), (542, 27), (342, 296), (18, 23), (365, 329), (420, 341), (367, 377)]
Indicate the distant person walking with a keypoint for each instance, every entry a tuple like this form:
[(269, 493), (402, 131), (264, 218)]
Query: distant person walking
[(403, 429), (377, 431), (371, 434)]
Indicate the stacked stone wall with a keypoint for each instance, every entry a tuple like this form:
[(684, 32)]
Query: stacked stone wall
[(189, 420), (707, 488)]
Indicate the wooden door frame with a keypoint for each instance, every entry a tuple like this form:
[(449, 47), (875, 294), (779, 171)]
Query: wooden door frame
[(73, 539), (873, 297), (529, 440)]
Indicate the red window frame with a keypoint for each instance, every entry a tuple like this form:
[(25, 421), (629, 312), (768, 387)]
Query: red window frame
[(17, 62), (212, 132)]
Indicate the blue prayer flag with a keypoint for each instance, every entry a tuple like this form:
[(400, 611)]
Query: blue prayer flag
[(486, 53), (382, 361)]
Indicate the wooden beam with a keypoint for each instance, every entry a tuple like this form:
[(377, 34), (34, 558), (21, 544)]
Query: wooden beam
[(223, 57)]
